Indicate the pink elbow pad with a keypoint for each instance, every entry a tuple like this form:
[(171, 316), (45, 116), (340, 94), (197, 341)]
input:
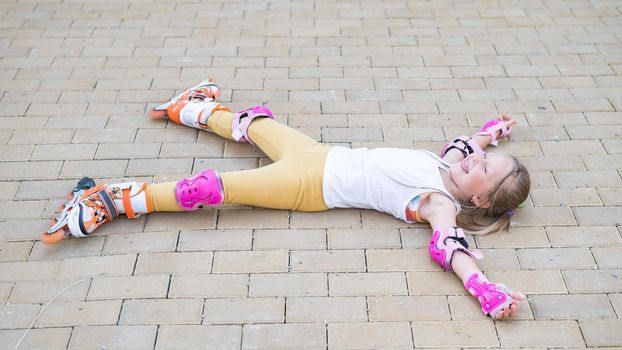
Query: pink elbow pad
[(464, 144), (445, 242)]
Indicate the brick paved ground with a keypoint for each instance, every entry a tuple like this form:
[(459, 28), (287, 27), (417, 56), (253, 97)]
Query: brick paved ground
[(76, 79)]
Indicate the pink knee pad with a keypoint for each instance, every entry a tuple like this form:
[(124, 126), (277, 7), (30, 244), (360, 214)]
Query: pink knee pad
[(202, 189), (243, 120), (491, 296)]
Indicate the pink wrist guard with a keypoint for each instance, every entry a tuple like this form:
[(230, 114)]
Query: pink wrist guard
[(492, 127), (491, 296), (202, 189), (445, 243), (464, 144)]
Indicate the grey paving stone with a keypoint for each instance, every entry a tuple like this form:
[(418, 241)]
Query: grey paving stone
[(369, 335), (80, 313), (244, 310), (593, 281), (458, 333), (18, 315), (284, 336), (602, 332), (161, 311), (572, 306), (44, 338), (540, 333), (98, 337), (326, 309), (196, 337)]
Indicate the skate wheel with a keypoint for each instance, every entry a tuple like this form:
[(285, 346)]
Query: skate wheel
[(157, 114), (53, 238)]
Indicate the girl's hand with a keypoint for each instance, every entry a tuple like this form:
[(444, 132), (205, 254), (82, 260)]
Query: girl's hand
[(495, 128), (508, 121), (512, 309)]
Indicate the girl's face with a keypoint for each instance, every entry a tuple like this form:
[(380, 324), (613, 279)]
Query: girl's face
[(477, 175)]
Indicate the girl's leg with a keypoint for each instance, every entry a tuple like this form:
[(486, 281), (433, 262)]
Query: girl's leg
[(293, 183), (273, 138), (197, 108), (162, 197)]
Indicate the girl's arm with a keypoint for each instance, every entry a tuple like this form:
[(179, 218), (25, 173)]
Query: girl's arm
[(449, 248), (482, 139)]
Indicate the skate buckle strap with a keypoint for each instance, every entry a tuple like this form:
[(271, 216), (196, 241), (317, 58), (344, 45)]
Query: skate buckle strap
[(108, 203), (491, 127), (127, 204), (464, 144), (445, 242), (195, 113), (203, 189), (130, 198), (492, 296), (243, 120)]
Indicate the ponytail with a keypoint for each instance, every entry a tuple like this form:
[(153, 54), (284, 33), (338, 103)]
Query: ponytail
[(506, 197), (477, 224)]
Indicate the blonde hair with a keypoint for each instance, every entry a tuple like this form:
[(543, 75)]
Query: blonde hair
[(503, 198)]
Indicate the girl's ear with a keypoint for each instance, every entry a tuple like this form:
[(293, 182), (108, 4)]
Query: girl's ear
[(480, 202)]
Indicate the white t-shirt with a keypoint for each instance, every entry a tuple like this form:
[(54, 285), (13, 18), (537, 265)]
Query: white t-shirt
[(384, 179)]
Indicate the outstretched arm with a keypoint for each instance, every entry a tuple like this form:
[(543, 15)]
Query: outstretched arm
[(481, 139), (450, 249)]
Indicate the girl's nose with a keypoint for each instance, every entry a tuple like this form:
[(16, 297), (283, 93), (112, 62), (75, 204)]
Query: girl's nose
[(479, 159)]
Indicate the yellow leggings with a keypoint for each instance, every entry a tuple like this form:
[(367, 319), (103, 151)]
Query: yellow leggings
[(293, 181)]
